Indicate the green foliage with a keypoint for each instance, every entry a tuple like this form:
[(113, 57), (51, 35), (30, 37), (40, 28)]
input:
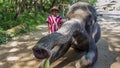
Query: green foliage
[(31, 14), (7, 13), (7, 21), (30, 20), (47, 63), (3, 36), (92, 2)]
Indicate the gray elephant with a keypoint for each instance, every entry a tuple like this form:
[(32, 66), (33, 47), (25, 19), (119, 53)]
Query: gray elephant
[(81, 31)]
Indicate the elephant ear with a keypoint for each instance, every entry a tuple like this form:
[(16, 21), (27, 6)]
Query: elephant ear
[(92, 17), (69, 15)]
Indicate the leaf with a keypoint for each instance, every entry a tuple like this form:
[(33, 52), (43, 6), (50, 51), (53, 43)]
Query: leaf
[(47, 63)]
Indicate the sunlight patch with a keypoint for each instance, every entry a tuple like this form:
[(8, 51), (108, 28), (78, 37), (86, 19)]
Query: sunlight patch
[(31, 63), (117, 49), (44, 33), (13, 50), (29, 47), (1, 63), (110, 48), (26, 37), (115, 65), (37, 38), (14, 43), (12, 58)]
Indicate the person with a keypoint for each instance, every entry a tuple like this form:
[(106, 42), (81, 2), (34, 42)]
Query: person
[(54, 20)]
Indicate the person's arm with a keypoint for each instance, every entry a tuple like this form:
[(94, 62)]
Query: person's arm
[(60, 22)]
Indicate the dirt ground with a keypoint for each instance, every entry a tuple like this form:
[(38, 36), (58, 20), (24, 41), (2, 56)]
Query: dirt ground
[(18, 54)]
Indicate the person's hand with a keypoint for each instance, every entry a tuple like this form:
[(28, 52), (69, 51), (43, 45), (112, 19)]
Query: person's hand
[(60, 25)]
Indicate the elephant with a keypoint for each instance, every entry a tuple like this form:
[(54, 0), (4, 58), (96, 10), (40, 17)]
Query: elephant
[(81, 31)]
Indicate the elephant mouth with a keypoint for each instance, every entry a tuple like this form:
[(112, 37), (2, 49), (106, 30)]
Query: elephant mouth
[(41, 53)]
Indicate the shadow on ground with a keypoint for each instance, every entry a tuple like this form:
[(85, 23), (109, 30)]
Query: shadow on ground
[(18, 52)]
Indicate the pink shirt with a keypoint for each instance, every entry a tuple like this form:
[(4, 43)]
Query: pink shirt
[(54, 22)]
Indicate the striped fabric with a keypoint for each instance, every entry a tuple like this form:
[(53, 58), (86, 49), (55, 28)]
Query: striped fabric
[(53, 23)]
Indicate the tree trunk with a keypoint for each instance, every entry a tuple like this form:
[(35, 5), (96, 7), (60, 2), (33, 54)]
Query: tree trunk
[(19, 8)]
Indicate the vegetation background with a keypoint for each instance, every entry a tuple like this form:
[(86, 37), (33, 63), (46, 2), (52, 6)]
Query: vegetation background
[(20, 16)]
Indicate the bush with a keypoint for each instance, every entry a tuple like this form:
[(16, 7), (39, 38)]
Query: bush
[(3, 36), (92, 2)]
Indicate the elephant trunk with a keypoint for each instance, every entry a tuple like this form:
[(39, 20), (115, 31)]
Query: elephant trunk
[(41, 52)]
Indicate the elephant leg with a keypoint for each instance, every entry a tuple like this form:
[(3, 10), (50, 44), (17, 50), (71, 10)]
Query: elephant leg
[(91, 53), (89, 58)]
